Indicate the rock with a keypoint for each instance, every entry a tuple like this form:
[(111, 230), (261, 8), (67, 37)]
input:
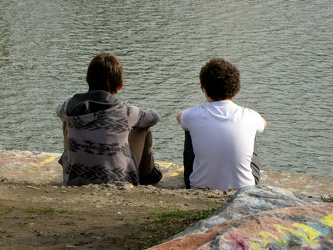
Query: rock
[(261, 217)]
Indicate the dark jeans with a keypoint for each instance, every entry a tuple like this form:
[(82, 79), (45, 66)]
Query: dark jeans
[(188, 159)]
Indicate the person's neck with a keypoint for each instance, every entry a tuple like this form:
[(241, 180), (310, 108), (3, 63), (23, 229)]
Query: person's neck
[(210, 100)]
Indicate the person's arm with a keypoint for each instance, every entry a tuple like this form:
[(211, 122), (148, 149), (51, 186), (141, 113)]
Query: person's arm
[(60, 111), (142, 118), (148, 118), (179, 115), (265, 123), (261, 124)]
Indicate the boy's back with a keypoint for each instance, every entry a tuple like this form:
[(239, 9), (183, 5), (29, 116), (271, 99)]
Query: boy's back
[(97, 128), (222, 136)]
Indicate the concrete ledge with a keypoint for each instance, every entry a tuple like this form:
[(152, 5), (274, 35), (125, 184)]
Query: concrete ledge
[(43, 168)]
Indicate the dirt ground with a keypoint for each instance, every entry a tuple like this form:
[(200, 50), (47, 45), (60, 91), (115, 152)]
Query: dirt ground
[(111, 216), (37, 212)]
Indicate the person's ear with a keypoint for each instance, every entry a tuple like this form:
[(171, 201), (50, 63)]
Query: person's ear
[(120, 86)]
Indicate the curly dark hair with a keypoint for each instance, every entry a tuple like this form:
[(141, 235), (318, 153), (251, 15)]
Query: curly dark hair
[(220, 79), (105, 72)]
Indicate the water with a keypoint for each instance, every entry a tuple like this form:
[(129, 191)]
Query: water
[(283, 49)]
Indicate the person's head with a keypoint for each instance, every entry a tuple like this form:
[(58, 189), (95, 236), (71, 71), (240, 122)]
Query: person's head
[(105, 72), (219, 79)]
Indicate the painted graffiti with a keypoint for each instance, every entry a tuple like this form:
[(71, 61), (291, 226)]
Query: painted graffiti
[(309, 234)]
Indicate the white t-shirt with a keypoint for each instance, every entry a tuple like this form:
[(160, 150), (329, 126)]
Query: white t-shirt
[(223, 136)]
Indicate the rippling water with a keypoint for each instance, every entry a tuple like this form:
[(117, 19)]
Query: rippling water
[(283, 49)]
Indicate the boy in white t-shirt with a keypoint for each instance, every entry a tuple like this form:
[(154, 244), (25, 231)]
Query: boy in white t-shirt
[(220, 148)]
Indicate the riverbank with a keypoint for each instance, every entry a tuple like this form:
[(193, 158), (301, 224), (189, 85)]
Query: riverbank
[(43, 168), (38, 212)]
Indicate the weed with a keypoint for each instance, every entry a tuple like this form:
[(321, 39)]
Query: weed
[(10, 234), (46, 210), (31, 210), (166, 224), (63, 211), (23, 224)]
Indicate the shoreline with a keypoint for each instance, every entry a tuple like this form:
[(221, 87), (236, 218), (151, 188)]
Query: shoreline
[(38, 211), (43, 168)]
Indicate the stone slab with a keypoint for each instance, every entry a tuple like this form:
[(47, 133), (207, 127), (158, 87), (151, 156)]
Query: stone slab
[(261, 217)]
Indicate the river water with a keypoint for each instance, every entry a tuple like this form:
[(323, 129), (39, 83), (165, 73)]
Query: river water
[(283, 49)]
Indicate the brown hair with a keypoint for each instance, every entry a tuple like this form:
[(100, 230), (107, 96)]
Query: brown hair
[(105, 72), (220, 79)]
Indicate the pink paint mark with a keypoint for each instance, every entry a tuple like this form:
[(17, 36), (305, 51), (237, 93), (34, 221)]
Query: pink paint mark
[(239, 241)]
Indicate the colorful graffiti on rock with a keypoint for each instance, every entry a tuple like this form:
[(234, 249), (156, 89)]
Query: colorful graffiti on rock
[(291, 228), (309, 234)]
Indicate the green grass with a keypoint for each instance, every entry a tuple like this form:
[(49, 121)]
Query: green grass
[(31, 210), (161, 226), (46, 210)]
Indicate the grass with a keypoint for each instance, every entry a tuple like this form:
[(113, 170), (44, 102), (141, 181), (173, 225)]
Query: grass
[(164, 225), (46, 210)]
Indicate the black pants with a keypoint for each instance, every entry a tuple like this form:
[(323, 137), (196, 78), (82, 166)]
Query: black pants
[(188, 159)]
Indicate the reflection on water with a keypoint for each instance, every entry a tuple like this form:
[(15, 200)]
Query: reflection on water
[(283, 49)]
